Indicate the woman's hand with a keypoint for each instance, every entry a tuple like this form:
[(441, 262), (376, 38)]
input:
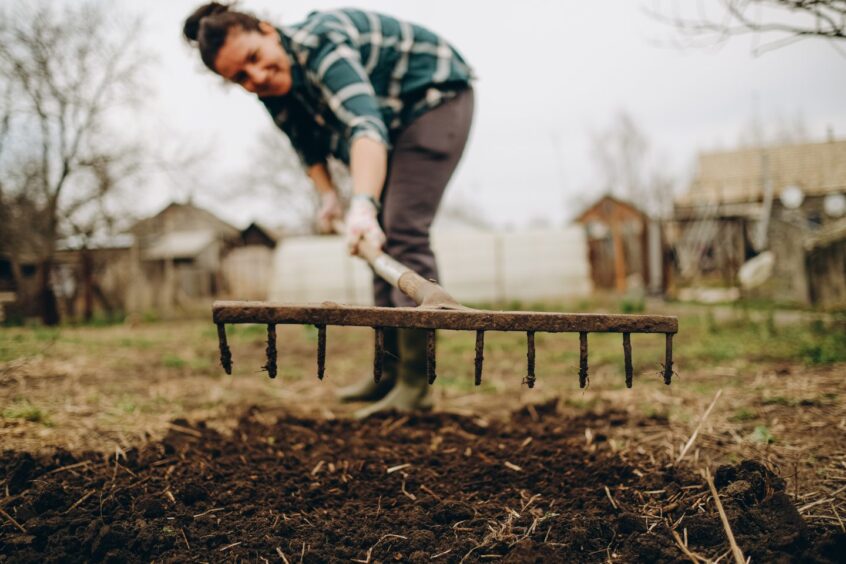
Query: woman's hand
[(361, 223), (368, 166), (329, 211)]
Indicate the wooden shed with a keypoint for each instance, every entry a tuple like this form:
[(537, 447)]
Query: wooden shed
[(618, 236), (248, 269), (179, 252), (826, 262), (780, 198)]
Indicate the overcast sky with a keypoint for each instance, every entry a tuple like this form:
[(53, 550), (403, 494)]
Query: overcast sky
[(550, 73)]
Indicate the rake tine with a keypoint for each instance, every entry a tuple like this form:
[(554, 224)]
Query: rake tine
[(530, 357), (379, 354), (668, 360), (583, 359), (430, 356), (225, 353), (480, 355), (321, 351), (430, 317), (271, 351), (627, 353)]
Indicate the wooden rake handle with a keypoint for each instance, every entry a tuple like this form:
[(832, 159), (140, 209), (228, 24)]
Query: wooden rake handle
[(425, 293)]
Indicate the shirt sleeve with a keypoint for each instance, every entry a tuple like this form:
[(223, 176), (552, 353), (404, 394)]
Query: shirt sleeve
[(335, 66), (310, 143)]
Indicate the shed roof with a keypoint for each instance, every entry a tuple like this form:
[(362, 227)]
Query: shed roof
[(605, 206), (180, 244), (271, 233), (183, 217), (738, 176)]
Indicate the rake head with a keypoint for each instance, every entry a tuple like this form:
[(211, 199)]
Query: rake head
[(454, 317)]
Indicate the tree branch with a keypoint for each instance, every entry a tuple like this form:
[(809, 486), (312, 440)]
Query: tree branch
[(797, 19)]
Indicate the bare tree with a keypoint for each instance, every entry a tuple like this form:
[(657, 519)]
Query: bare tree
[(626, 166), (65, 71), (777, 22)]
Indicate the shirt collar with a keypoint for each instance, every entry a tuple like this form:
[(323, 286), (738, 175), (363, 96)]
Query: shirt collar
[(297, 76)]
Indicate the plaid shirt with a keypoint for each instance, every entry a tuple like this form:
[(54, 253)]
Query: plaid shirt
[(357, 73)]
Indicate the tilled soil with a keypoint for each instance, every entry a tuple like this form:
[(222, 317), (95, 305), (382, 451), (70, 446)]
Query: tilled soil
[(438, 487)]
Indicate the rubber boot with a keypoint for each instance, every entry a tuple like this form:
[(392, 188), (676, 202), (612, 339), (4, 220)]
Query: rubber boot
[(412, 391), (367, 389)]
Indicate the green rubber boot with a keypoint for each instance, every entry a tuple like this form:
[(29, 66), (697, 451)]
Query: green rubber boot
[(412, 391), (367, 389)]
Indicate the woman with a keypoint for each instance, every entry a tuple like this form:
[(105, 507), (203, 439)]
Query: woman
[(390, 99)]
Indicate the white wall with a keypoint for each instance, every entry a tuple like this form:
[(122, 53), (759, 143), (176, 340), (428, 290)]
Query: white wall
[(475, 266), (247, 272)]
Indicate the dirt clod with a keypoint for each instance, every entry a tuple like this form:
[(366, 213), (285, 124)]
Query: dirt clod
[(192, 493), (150, 508)]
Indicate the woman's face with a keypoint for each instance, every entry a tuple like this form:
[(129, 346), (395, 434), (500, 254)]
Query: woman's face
[(256, 61)]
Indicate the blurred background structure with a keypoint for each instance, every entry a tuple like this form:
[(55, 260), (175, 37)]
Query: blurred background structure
[(781, 199), (653, 148)]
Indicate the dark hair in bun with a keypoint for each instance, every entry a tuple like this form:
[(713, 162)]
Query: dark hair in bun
[(209, 25)]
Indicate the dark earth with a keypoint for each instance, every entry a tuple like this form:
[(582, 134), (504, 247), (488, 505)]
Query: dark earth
[(436, 487)]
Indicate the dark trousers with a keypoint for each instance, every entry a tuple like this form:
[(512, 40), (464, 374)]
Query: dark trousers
[(421, 163)]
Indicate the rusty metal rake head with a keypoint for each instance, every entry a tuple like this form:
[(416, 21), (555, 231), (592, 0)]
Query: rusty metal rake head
[(437, 310), (322, 315)]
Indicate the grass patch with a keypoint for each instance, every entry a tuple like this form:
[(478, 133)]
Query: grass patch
[(779, 400), (27, 411), (704, 341), (173, 361), (139, 343), (465, 383), (246, 333), (633, 305), (582, 404), (27, 342), (824, 349), (762, 435), (101, 320), (654, 412), (742, 415), (150, 316), (127, 405), (310, 332), (201, 364)]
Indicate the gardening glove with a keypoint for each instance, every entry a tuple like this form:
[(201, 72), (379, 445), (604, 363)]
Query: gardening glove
[(361, 223), (329, 211)]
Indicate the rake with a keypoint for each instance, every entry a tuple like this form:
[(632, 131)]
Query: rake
[(436, 309)]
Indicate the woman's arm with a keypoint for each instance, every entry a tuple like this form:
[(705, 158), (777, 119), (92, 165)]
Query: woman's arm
[(368, 166), (330, 206), (347, 90), (319, 175)]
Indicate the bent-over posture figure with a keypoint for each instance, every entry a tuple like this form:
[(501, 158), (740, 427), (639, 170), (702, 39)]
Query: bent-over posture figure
[(389, 98)]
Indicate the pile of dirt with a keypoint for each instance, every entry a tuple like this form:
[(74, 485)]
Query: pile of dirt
[(420, 488)]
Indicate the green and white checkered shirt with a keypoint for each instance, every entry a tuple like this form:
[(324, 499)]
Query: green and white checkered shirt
[(357, 73)]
